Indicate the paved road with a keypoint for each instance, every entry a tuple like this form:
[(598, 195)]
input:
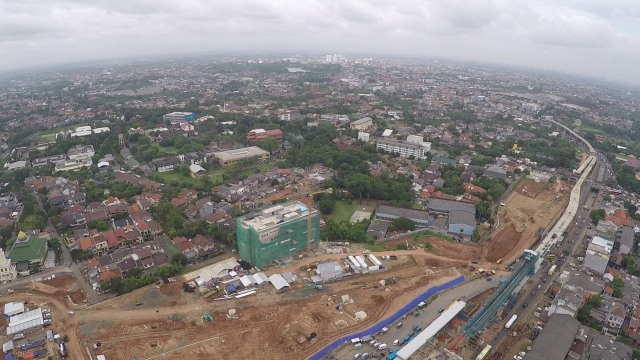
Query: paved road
[(530, 293), (427, 316)]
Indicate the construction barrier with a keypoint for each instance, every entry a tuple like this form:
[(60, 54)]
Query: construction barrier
[(388, 321)]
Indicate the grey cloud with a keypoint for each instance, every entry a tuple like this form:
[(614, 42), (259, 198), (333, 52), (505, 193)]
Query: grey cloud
[(523, 32)]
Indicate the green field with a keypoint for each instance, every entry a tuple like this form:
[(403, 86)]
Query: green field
[(171, 176), (342, 211), (215, 175)]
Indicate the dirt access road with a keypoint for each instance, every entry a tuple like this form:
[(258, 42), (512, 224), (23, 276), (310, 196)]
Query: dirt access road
[(169, 322)]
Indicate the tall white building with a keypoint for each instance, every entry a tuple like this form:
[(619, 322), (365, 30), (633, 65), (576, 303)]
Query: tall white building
[(7, 269), (418, 139), (405, 149)]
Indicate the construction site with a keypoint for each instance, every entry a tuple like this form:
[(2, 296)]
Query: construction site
[(165, 320)]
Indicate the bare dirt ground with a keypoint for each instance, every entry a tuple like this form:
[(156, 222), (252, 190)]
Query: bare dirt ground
[(532, 205), (449, 249), (293, 324)]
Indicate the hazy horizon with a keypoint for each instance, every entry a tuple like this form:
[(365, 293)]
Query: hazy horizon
[(578, 37)]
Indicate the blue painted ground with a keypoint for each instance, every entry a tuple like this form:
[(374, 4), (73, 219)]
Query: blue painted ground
[(388, 321)]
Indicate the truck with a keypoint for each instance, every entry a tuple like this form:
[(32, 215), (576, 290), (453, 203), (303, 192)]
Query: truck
[(552, 269), (510, 322)]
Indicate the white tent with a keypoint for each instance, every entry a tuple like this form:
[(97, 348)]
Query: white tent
[(260, 278), (13, 308), (247, 280), (278, 281)]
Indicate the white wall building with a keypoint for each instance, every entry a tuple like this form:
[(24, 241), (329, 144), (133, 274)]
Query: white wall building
[(418, 139), (7, 269), (405, 149), (364, 136), (81, 152)]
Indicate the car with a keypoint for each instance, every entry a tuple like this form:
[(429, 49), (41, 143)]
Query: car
[(358, 346), (525, 304), (382, 346), (533, 293), (522, 353), (357, 356), (396, 342), (539, 286), (371, 342)]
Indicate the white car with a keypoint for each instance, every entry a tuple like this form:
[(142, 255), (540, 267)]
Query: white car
[(382, 346), (396, 342)]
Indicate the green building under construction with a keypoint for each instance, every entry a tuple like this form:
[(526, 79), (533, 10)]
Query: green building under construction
[(275, 233)]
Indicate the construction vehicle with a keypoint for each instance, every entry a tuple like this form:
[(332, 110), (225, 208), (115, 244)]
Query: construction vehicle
[(207, 317), (393, 279), (499, 261)]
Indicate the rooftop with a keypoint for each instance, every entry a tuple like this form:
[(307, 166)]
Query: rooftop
[(555, 339), (242, 153), (275, 215)]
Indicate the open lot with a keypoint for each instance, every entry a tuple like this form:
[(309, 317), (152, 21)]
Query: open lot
[(161, 320), (530, 206)]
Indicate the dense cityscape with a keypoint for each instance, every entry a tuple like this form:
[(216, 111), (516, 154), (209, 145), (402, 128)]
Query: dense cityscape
[(318, 207)]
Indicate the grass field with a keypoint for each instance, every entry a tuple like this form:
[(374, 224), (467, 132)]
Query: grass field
[(342, 211), (168, 177), (215, 176)]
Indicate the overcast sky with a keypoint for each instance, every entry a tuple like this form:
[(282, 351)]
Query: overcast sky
[(590, 37)]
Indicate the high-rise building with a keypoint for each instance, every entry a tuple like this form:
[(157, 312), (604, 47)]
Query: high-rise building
[(276, 233), (179, 117)]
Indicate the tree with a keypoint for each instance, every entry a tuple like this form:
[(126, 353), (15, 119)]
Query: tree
[(179, 259), (269, 144), (617, 284), (326, 204), (597, 215), (184, 169), (402, 223), (595, 301), (358, 184)]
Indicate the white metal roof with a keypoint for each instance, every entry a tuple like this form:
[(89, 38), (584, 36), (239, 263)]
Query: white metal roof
[(13, 308), (278, 281), (387, 132), (247, 280), (25, 321), (260, 278), (431, 330)]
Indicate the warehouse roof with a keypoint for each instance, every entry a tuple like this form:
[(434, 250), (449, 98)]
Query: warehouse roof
[(555, 339), (462, 217), (243, 153), (402, 212), (450, 205)]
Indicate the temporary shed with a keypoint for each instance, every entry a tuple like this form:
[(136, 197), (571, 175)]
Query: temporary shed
[(247, 280), (260, 278), (289, 277), (218, 270), (361, 315), (25, 321), (13, 308), (6, 347), (278, 281)]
